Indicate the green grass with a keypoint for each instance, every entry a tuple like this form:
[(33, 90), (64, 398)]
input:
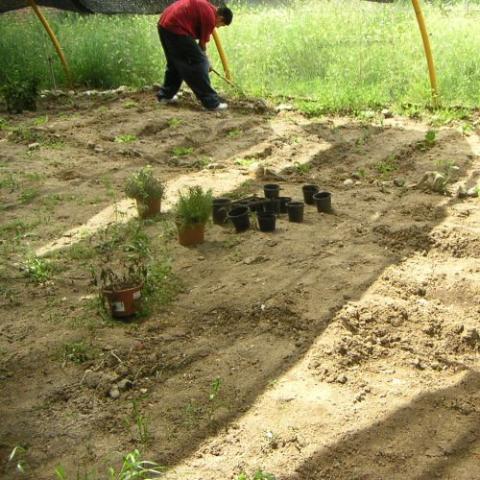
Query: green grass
[(340, 56)]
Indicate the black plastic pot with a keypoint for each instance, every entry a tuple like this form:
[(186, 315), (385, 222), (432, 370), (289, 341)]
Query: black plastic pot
[(220, 208), (266, 222), (240, 218), (295, 212), (271, 190), (271, 205), (323, 201), (283, 204), (258, 207), (308, 192)]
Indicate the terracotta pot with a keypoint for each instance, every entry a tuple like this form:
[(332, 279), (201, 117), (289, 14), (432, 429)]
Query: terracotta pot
[(148, 208), (123, 303), (191, 235)]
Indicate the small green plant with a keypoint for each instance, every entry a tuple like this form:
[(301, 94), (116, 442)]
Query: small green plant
[(8, 182), (132, 468), (361, 172), (259, 475), (37, 269), (20, 95), (215, 389), (430, 138), (39, 121), (428, 142), (141, 421), (194, 207), (234, 133), (387, 166), (23, 134), (144, 186), (302, 168), (174, 122), (77, 352), (245, 162), (127, 138), (130, 104), (182, 151), (28, 195), (17, 456), (125, 274)]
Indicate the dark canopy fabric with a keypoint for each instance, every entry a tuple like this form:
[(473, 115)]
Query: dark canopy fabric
[(93, 6)]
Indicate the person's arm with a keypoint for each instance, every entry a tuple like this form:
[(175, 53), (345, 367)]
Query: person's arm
[(207, 25)]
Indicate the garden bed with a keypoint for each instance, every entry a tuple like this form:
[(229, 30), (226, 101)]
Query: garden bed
[(342, 347)]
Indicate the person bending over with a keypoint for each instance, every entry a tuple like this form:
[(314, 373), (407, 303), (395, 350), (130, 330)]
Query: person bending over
[(180, 25)]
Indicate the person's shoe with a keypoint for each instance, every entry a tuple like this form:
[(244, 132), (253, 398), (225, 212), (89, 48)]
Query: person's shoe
[(168, 101), (220, 107)]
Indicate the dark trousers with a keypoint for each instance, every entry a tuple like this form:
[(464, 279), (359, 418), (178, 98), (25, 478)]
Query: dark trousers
[(186, 62)]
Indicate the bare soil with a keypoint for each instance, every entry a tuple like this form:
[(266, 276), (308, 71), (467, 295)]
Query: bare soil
[(345, 347)]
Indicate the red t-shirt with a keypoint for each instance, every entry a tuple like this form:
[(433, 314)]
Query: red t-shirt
[(195, 18)]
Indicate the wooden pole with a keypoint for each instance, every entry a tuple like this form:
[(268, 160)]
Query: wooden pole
[(221, 53), (54, 40), (428, 51)]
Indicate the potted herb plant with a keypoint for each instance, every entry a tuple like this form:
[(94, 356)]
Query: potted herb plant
[(121, 287), (147, 190), (193, 210)]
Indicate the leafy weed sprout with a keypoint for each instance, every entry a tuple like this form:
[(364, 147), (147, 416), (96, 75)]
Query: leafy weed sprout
[(127, 138), (132, 468), (37, 269), (259, 475), (77, 352), (182, 151), (141, 422), (387, 166)]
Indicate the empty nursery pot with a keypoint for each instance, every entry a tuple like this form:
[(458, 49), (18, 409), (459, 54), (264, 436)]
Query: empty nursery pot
[(271, 205), (266, 222), (308, 192), (283, 204), (259, 206), (295, 212), (240, 218), (220, 208), (323, 201), (271, 190)]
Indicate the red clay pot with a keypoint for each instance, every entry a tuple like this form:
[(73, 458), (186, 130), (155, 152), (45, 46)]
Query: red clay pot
[(192, 235), (123, 303), (148, 208)]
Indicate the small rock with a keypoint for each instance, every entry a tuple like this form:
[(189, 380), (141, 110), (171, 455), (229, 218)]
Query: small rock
[(124, 384), (472, 192), (33, 146), (284, 107), (356, 176), (458, 329), (92, 379), (471, 336), (254, 260), (143, 391), (121, 89), (91, 145), (387, 113), (348, 182), (216, 166), (114, 392), (399, 182), (98, 149), (461, 191), (417, 363), (341, 379)]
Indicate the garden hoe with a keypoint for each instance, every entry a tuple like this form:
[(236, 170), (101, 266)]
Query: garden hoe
[(226, 80)]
